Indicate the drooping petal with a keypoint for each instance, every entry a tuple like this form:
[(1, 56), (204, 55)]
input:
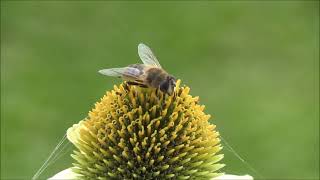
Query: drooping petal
[(233, 177), (65, 174)]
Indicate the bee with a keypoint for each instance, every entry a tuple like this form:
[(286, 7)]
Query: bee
[(148, 74)]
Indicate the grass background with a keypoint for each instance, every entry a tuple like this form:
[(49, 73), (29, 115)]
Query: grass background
[(254, 64)]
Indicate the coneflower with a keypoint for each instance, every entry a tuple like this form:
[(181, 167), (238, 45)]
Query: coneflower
[(142, 133)]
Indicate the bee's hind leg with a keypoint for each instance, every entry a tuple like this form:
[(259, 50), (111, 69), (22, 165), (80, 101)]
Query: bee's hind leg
[(137, 84)]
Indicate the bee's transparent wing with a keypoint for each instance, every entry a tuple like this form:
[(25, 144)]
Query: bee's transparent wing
[(127, 73), (147, 57)]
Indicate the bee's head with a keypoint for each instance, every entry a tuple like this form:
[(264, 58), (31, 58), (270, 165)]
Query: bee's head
[(168, 85)]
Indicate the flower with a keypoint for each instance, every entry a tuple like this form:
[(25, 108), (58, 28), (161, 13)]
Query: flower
[(142, 133), (67, 174)]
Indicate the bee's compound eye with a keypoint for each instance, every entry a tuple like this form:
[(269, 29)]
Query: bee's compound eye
[(164, 86)]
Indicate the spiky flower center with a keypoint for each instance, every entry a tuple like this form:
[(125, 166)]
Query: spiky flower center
[(141, 133)]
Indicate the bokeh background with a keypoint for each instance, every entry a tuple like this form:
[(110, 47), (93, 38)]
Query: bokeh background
[(254, 64)]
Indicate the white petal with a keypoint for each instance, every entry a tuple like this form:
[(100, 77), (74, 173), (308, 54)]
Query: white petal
[(65, 174), (233, 177)]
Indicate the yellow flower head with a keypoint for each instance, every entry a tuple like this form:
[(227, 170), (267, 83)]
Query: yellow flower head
[(142, 133)]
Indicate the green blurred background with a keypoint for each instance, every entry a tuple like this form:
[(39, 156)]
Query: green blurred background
[(254, 65)]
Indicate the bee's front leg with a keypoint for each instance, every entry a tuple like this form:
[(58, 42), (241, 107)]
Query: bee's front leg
[(174, 95)]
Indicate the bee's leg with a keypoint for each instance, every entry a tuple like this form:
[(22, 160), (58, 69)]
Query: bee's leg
[(137, 84), (142, 85), (174, 95), (126, 85), (132, 83)]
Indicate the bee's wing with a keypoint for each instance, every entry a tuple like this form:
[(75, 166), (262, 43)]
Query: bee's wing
[(147, 57), (127, 73)]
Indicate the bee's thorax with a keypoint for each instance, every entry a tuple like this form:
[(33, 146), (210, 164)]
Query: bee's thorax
[(155, 77)]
